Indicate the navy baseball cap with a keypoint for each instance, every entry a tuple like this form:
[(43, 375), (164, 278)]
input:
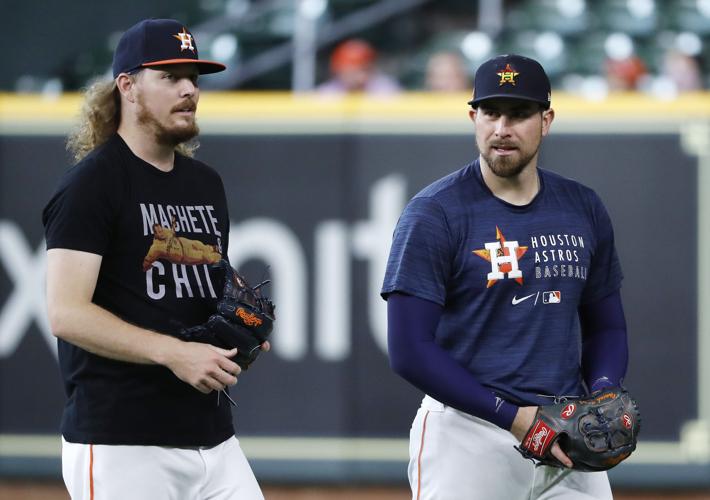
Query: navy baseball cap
[(512, 76), (154, 42)]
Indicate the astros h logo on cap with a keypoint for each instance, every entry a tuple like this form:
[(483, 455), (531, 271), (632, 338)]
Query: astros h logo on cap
[(185, 39), (507, 75), (157, 42)]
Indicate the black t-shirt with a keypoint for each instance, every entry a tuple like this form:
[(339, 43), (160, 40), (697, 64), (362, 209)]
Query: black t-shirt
[(157, 232)]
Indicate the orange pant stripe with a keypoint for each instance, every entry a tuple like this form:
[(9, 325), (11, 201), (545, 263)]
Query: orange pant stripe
[(419, 458), (91, 471)]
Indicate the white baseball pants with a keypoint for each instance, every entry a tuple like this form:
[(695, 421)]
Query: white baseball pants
[(456, 456), (117, 472)]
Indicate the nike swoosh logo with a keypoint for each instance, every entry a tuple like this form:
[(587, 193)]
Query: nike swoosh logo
[(517, 301)]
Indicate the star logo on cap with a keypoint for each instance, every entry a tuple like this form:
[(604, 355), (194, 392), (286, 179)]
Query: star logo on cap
[(507, 75), (185, 39)]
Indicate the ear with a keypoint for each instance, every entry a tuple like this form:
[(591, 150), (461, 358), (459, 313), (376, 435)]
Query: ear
[(547, 117), (472, 114), (126, 85)]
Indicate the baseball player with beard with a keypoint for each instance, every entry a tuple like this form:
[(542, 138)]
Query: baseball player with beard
[(491, 270), (132, 232)]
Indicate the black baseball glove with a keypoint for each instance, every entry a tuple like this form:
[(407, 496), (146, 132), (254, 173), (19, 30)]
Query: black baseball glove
[(596, 433), (244, 319)]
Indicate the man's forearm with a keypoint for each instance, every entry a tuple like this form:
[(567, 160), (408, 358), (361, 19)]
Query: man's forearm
[(416, 357), (605, 351), (98, 331)]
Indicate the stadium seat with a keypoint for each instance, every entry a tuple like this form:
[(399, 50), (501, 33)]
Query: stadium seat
[(548, 47), (688, 15), (633, 17), (565, 17)]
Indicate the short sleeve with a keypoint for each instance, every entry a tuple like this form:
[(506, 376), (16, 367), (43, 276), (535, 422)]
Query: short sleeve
[(420, 257), (605, 273), (82, 212), (227, 226)]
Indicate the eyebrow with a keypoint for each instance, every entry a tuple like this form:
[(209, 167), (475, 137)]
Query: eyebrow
[(190, 74)]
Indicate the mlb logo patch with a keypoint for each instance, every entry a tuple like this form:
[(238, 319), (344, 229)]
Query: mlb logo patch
[(554, 297)]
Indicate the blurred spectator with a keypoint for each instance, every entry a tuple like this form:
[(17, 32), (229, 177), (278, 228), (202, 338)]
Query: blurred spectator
[(353, 69), (625, 73), (682, 70), (446, 72)]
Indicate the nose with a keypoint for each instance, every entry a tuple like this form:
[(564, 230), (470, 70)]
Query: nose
[(187, 88), (502, 126)]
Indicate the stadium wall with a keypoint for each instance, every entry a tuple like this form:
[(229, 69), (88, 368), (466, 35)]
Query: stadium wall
[(315, 186)]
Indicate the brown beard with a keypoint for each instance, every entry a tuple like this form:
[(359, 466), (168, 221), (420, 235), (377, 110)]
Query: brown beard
[(505, 166), (164, 135)]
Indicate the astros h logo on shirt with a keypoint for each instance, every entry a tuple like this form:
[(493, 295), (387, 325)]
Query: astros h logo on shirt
[(503, 256)]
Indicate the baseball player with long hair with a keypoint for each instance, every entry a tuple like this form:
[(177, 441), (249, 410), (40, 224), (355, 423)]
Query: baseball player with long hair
[(132, 232), (491, 270)]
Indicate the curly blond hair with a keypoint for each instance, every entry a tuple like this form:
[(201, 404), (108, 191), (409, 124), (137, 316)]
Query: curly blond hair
[(99, 119)]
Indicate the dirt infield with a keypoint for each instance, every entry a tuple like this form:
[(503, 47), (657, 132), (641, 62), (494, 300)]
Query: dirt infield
[(19, 490)]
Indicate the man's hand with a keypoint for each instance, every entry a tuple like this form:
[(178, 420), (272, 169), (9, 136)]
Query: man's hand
[(522, 422), (594, 434), (205, 367)]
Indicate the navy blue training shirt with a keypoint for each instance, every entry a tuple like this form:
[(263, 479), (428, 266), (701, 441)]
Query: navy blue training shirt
[(510, 278)]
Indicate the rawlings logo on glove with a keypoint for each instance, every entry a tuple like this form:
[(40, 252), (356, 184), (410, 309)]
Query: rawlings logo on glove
[(249, 319), (244, 319), (595, 433)]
